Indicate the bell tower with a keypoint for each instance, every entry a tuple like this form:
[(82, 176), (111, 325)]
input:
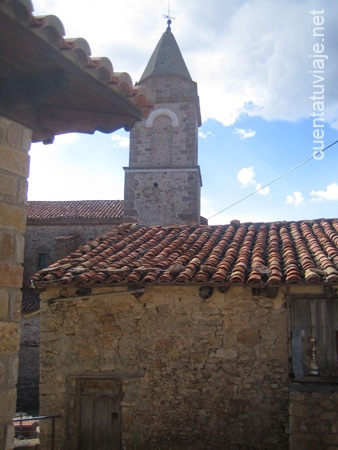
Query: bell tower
[(163, 180)]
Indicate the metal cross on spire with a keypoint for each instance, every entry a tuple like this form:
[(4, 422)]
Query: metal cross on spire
[(168, 16)]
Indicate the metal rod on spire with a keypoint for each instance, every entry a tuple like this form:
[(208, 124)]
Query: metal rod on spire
[(168, 16)]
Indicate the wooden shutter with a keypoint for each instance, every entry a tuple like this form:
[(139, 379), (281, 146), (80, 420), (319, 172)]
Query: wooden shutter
[(314, 327)]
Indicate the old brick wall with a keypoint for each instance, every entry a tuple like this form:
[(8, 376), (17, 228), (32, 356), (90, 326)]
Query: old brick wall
[(313, 417), (14, 144), (195, 374)]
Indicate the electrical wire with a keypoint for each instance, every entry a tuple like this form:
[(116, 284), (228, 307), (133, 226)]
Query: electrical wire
[(273, 181)]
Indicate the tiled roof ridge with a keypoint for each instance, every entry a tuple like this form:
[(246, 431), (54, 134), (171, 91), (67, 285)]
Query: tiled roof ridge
[(51, 29), (71, 209), (272, 253)]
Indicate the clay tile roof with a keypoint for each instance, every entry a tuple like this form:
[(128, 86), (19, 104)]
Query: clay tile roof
[(246, 254), (67, 88), (79, 209)]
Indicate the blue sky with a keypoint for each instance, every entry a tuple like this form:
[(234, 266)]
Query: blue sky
[(261, 73)]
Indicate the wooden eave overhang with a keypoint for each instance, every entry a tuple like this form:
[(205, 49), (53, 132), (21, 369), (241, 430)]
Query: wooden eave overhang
[(53, 86)]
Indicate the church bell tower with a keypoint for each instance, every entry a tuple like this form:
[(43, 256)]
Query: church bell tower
[(163, 180)]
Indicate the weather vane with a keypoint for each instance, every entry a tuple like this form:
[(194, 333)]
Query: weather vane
[(168, 16)]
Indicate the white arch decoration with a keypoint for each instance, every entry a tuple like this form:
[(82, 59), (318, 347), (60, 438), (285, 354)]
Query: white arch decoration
[(162, 112)]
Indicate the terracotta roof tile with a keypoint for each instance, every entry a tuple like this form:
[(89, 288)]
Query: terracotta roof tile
[(65, 88), (51, 29), (79, 209), (249, 253)]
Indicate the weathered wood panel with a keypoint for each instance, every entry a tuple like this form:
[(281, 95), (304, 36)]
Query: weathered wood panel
[(99, 415), (314, 324)]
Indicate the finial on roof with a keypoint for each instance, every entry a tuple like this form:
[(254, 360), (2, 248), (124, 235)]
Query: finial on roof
[(168, 16)]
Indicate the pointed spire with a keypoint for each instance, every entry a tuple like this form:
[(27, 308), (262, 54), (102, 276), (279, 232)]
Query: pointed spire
[(167, 58)]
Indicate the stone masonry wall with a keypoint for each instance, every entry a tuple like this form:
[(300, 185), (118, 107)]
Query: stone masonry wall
[(162, 182), (14, 144), (29, 366), (41, 239), (313, 417), (166, 197), (195, 374)]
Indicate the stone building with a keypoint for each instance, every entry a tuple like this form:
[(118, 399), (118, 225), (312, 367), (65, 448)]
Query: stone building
[(181, 335), (53, 230), (162, 185), (49, 85), (163, 180), (194, 337)]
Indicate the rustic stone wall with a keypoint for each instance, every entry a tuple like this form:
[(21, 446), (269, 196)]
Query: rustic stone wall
[(163, 181), (14, 144), (166, 197), (43, 239), (29, 366), (195, 374), (313, 417)]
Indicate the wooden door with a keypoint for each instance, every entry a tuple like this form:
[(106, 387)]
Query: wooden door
[(99, 415)]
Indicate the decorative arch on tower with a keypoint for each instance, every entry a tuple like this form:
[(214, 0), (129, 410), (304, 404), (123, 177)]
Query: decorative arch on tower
[(162, 112)]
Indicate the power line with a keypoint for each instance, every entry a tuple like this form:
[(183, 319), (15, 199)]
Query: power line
[(273, 181)]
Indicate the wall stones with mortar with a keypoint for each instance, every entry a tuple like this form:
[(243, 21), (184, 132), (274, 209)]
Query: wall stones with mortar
[(166, 197), (162, 182), (195, 374), (29, 366), (14, 161), (313, 417), (44, 239)]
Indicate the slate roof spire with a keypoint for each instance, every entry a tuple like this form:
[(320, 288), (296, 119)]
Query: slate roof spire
[(166, 59)]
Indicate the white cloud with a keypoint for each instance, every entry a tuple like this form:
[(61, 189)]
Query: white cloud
[(120, 141), (246, 176), (262, 190), (296, 198), (244, 134), (259, 72), (331, 193), (204, 135)]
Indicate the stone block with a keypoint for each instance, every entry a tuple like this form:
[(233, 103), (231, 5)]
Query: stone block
[(12, 368), (11, 276), (4, 298), (7, 404), (248, 336), (12, 217), (8, 185), (19, 248), (7, 246), (308, 442), (9, 337), (15, 305), (14, 161)]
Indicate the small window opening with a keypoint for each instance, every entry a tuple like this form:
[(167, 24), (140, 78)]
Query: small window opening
[(42, 260)]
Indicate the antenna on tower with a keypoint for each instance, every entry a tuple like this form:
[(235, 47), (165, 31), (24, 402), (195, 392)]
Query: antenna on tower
[(168, 16)]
